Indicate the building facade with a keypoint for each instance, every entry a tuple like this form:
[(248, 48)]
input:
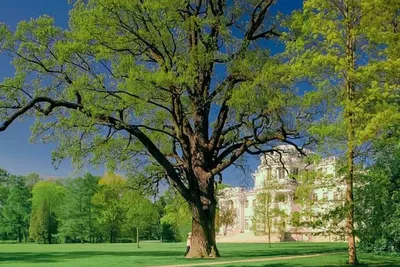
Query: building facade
[(283, 168)]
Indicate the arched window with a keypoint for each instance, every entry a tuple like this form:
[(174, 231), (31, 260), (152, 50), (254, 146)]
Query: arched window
[(231, 204), (281, 173)]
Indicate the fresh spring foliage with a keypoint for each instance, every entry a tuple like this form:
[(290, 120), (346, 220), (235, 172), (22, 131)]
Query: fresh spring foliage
[(177, 215), (79, 213), (378, 202), (83, 209), (47, 200), (348, 51), (15, 208), (268, 216), (178, 89)]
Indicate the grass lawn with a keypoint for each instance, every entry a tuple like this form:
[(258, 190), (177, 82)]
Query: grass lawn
[(109, 255)]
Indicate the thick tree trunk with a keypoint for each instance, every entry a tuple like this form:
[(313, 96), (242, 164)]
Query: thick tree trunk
[(203, 244)]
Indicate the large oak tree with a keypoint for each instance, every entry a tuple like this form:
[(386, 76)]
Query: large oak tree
[(187, 87)]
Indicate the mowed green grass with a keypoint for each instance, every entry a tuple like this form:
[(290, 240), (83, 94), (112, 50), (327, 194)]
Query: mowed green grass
[(153, 254)]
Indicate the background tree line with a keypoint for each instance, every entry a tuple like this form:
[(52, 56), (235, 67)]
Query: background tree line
[(87, 209)]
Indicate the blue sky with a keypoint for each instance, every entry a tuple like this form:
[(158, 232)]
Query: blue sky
[(17, 155)]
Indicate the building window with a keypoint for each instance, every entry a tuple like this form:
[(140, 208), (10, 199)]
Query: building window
[(230, 204), (254, 203), (314, 197), (246, 204), (280, 198), (281, 173), (269, 173), (294, 172)]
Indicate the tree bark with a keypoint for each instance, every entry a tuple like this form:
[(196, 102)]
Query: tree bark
[(349, 116), (349, 193), (19, 234), (350, 214), (137, 237), (203, 244)]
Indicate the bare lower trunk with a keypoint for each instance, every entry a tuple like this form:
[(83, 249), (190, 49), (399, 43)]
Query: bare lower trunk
[(203, 244), (137, 237), (19, 235), (269, 236), (350, 211), (48, 237)]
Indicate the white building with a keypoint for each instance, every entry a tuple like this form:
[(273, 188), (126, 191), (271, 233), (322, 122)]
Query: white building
[(284, 167)]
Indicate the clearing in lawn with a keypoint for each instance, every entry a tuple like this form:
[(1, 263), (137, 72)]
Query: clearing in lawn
[(159, 254)]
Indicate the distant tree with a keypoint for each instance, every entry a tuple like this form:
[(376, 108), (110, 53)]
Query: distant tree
[(308, 181), (17, 208), (319, 212), (78, 212), (142, 213), (378, 201), (227, 216), (168, 233), (160, 206), (32, 179), (4, 177), (266, 210), (177, 214), (4, 186), (112, 205), (47, 200), (43, 224)]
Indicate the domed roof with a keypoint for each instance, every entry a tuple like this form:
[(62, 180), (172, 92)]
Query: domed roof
[(290, 148)]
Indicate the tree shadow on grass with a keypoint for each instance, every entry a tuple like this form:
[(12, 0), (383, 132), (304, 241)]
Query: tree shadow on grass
[(384, 264), (53, 257), (271, 252)]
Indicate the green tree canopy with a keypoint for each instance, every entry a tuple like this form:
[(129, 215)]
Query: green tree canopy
[(351, 59), (177, 214), (113, 202), (16, 210), (78, 216), (378, 201), (47, 200), (267, 213), (190, 86)]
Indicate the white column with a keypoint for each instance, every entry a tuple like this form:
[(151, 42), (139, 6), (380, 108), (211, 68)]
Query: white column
[(241, 211)]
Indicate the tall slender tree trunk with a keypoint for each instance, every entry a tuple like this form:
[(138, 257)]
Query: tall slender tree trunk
[(49, 237), (350, 207), (91, 238), (349, 116), (137, 237), (269, 236), (19, 234), (49, 227), (269, 222)]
